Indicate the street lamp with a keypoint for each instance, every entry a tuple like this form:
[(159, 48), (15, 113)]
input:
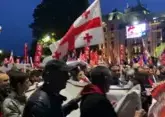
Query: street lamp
[(1, 51), (0, 28), (135, 22), (46, 39)]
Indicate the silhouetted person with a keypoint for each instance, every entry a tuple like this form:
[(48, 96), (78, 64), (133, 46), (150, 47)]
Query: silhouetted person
[(46, 101), (94, 102)]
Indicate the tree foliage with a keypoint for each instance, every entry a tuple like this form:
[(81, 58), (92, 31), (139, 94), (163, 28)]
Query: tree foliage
[(55, 16)]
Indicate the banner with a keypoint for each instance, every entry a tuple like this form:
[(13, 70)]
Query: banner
[(159, 50), (86, 53), (6, 61), (25, 53), (38, 55), (122, 53)]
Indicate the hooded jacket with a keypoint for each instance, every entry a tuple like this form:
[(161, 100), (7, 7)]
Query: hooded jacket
[(94, 103)]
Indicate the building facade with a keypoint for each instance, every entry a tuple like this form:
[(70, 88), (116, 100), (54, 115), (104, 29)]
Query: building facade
[(118, 46)]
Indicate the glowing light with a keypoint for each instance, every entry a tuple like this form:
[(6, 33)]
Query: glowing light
[(46, 39), (0, 28), (1, 51), (135, 23), (136, 31), (53, 34)]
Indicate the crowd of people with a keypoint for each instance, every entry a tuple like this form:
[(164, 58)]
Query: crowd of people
[(36, 93)]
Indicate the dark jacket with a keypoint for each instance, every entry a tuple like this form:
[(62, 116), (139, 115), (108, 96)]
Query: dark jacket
[(95, 104), (42, 104)]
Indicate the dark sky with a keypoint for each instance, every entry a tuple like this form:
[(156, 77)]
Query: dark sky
[(16, 15)]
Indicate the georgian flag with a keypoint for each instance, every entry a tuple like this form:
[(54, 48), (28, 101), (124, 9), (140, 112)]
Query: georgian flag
[(86, 30)]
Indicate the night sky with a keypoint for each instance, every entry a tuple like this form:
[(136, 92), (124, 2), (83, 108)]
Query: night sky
[(16, 15)]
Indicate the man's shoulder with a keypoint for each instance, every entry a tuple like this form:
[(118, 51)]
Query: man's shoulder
[(39, 96), (98, 105), (38, 104), (94, 99)]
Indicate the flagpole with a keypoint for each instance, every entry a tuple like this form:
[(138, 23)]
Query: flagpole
[(31, 62)]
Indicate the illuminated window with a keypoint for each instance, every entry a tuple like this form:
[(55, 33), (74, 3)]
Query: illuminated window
[(145, 12), (118, 17)]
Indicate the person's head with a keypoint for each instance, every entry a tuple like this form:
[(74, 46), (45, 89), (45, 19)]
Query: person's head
[(55, 75), (4, 80), (130, 74), (115, 70), (19, 81), (162, 70), (34, 76), (101, 77)]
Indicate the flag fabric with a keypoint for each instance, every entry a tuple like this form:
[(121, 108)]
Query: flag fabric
[(150, 81), (26, 53), (145, 51), (122, 53), (141, 62), (86, 30), (86, 52), (92, 56), (28, 60), (145, 60), (6, 61), (11, 59), (38, 55), (53, 46), (158, 93), (82, 57), (96, 57)]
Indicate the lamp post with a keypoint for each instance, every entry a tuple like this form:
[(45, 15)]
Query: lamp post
[(46, 39), (1, 52), (0, 28), (135, 22)]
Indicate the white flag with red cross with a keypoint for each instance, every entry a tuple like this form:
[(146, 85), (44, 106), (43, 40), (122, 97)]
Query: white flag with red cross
[(86, 30)]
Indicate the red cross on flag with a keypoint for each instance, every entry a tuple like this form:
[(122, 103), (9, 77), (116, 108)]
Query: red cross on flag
[(86, 30)]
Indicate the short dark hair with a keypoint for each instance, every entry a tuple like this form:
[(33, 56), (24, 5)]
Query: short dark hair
[(17, 77), (35, 73), (100, 75)]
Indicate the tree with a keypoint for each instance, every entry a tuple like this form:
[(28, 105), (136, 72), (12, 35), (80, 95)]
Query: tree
[(55, 16)]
